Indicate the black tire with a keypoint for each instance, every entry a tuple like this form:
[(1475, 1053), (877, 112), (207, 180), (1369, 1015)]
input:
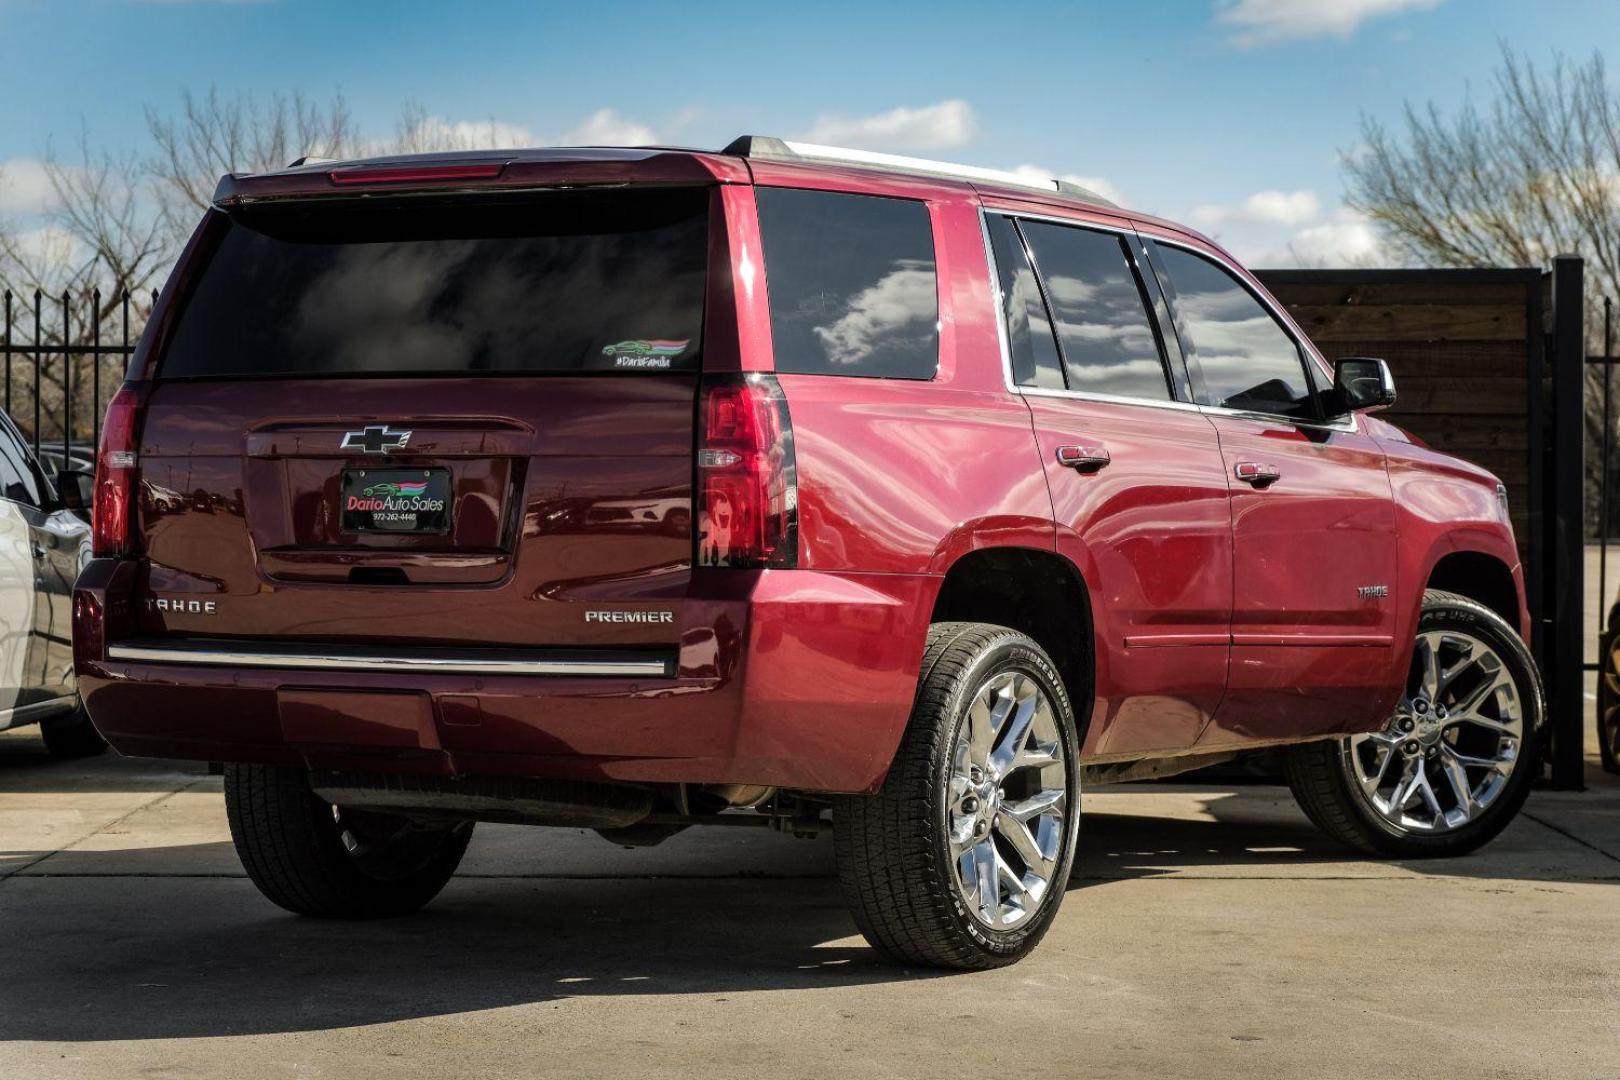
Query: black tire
[(894, 861), (297, 848), (72, 736), (1321, 774)]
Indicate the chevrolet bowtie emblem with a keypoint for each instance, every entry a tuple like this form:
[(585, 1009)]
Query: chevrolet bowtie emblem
[(376, 439)]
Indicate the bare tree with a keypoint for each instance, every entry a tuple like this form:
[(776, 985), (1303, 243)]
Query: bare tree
[(98, 242), (1532, 174), (421, 132), (116, 222), (1535, 173), (214, 134)]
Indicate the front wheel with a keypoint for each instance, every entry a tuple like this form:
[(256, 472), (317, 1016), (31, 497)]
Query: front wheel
[(1454, 763), (314, 858), (960, 861)]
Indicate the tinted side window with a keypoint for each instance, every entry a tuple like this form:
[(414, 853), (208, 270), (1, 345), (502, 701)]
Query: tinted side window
[(1108, 342), (1029, 329), (852, 284), (1247, 359)]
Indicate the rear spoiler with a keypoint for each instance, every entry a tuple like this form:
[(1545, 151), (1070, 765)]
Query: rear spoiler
[(484, 172)]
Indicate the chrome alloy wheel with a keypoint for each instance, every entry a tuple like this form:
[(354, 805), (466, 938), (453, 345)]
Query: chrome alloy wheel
[(1446, 754), (1007, 801)]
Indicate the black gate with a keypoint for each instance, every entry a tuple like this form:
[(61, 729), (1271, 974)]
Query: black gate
[(63, 354)]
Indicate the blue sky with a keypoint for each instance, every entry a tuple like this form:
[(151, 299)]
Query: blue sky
[(1228, 114)]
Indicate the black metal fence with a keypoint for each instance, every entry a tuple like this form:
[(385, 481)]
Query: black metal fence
[(64, 354)]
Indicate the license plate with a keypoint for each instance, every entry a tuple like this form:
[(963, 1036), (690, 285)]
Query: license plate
[(396, 500)]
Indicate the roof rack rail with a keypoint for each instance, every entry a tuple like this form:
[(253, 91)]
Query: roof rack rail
[(768, 147)]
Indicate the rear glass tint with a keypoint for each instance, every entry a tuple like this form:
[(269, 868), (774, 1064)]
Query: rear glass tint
[(562, 282), (852, 284)]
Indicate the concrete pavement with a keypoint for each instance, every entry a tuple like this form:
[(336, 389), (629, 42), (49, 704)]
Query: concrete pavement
[(1209, 932)]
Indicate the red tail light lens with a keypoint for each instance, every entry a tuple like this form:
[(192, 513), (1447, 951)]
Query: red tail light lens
[(748, 497), (115, 475)]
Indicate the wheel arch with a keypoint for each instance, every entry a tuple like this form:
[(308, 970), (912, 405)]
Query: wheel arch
[(1037, 592), (1481, 576)]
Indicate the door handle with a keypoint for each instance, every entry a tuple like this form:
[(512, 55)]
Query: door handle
[(39, 552), (1256, 474), (1084, 458)]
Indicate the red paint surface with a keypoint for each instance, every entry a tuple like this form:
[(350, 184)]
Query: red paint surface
[(1223, 615)]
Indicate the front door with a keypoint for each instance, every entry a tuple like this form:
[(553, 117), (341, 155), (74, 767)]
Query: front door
[(1138, 485), (1313, 519)]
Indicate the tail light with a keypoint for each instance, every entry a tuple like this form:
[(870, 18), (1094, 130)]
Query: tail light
[(748, 497), (115, 475)]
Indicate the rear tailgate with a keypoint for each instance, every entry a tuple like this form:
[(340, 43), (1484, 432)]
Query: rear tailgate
[(462, 423)]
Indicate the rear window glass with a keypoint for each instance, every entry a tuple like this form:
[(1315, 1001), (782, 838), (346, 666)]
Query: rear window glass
[(852, 285), (564, 282)]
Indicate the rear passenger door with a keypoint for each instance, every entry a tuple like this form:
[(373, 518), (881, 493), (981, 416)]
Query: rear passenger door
[(1138, 487), (1312, 511)]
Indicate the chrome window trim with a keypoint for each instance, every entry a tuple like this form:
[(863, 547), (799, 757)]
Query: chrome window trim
[(1283, 323), (1348, 424), (1000, 309), (421, 665)]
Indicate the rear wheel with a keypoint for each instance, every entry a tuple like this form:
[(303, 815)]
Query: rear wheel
[(314, 858), (1454, 763), (961, 860), (72, 736)]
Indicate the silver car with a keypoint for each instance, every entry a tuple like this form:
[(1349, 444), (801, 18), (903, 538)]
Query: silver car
[(44, 540)]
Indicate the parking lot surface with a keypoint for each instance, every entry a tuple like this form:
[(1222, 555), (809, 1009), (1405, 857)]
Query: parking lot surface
[(1209, 932)]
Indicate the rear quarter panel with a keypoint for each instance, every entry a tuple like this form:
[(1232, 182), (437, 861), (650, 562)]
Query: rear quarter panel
[(906, 476)]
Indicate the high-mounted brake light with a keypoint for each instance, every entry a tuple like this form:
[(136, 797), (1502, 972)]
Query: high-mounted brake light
[(115, 475), (415, 174), (748, 496)]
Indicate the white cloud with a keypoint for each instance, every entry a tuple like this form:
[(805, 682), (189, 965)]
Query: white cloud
[(1347, 239), (1100, 185), (25, 188), (604, 127), (930, 127), (1263, 208), (47, 247), (1291, 228), (420, 133), (1263, 22)]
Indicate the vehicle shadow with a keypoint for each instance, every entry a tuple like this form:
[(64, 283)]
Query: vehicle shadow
[(25, 765), (171, 942), (108, 958), (1258, 831)]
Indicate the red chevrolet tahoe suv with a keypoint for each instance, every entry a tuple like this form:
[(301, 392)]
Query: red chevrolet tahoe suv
[(625, 489)]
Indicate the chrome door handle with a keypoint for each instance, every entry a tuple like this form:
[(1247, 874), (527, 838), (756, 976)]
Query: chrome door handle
[(39, 552), (1084, 458), (1256, 474)]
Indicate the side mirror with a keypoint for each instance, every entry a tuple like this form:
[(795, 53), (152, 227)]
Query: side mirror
[(1360, 384), (76, 488)]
